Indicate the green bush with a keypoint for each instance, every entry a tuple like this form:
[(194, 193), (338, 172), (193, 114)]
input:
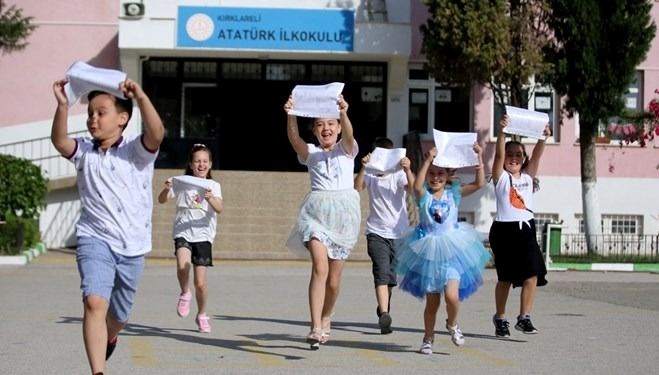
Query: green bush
[(23, 191), (18, 234)]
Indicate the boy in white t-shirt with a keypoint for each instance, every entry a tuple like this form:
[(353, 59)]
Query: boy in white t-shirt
[(114, 176), (386, 223)]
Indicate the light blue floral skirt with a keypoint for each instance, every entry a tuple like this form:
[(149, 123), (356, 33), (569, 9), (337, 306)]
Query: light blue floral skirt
[(333, 217)]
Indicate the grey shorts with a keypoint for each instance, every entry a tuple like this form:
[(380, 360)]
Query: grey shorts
[(382, 252), (112, 276)]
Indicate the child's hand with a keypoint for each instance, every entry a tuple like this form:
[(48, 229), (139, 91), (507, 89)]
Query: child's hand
[(405, 163), (289, 104), (505, 120), (547, 131), (208, 194), (432, 153), (343, 105), (366, 158), (131, 89), (168, 183), (478, 149), (58, 90)]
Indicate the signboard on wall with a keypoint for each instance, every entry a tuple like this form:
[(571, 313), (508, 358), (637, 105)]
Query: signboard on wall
[(265, 28)]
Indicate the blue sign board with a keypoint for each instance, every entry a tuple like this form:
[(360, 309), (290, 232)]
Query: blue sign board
[(265, 28)]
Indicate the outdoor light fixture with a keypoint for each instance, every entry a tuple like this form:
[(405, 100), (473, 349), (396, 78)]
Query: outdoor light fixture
[(134, 9)]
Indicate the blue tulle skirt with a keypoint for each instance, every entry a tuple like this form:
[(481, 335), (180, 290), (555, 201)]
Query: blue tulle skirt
[(425, 262)]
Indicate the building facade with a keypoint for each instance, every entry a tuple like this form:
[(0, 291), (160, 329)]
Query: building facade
[(220, 71)]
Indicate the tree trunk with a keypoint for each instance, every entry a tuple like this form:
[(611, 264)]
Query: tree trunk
[(590, 203)]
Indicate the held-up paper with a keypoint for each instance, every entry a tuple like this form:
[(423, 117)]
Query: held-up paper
[(454, 150), (385, 160), (84, 78), (186, 182), (526, 123), (318, 101)]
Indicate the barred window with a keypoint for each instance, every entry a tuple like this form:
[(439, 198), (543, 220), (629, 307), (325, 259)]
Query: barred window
[(541, 219), (199, 69), (159, 68), (241, 70), (617, 224), (327, 73), (285, 72)]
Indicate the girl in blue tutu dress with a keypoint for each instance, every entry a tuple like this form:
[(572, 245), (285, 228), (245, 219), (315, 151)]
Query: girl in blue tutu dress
[(442, 255)]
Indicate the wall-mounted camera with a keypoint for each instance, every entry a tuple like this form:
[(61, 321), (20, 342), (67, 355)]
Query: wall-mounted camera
[(133, 9)]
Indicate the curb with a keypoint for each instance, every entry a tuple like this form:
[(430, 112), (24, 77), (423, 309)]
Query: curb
[(25, 257), (621, 267)]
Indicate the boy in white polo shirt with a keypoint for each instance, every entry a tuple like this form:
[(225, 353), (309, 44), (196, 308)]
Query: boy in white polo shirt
[(114, 231)]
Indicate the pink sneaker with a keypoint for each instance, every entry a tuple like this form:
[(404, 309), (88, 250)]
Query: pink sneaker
[(183, 306), (203, 321)]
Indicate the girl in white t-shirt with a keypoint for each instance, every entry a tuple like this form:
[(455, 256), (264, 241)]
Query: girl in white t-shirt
[(328, 223), (517, 256), (198, 201)]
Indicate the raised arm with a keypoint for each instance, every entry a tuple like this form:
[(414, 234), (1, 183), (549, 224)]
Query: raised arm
[(347, 134), (420, 179), (500, 150), (298, 144), (534, 160), (359, 179), (154, 131), (64, 144), (406, 164), (479, 178)]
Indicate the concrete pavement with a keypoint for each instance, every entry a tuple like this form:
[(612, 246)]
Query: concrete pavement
[(589, 322)]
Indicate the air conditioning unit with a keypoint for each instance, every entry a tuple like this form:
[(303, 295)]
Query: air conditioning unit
[(133, 9)]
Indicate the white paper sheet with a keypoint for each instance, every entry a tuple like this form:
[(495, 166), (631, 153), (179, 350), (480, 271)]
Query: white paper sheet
[(318, 101), (455, 150), (526, 123), (186, 182), (385, 160), (84, 78)]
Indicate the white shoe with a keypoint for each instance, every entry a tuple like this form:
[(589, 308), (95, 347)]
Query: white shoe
[(456, 334), (426, 346)]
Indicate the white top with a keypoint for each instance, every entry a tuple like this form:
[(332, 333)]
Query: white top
[(387, 205), (524, 186), (195, 219), (115, 193), (331, 170)]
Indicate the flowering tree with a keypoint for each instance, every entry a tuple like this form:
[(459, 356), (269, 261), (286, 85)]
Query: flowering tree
[(638, 127)]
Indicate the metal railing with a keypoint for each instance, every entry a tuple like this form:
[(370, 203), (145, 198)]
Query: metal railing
[(609, 247)]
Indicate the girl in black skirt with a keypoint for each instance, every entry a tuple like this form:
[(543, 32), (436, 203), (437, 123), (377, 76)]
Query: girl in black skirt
[(517, 256)]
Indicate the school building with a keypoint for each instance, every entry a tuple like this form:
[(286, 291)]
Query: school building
[(219, 73)]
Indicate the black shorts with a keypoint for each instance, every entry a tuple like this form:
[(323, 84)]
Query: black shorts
[(202, 252), (382, 252), (517, 255)]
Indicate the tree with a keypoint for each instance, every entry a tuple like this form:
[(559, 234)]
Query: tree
[(597, 47), (495, 43), (14, 28)]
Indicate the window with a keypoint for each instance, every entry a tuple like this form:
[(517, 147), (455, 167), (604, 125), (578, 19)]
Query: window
[(241, 70), (617, 224), (633, 103), (437, 106), (327, 73), (285, 72), (541, 98)]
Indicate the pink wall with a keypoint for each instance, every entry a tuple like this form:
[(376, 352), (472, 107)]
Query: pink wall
[(67, 31)]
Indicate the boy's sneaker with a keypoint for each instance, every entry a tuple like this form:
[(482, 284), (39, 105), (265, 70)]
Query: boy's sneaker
[(183, 305), (203, 322), (456, 334), (426, 346), (109, 348), (524, 324), (501, 327), (385, 323)]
